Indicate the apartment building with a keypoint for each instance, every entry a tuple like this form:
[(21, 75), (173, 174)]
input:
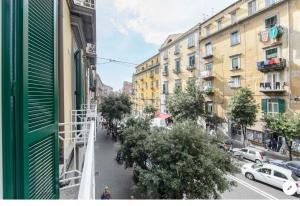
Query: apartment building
[(254, 44), (146, 85), (46, 64), (179, 56)]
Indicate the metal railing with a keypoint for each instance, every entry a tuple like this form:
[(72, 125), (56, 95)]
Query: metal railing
[(79, 135), (85, 3), (87, 183)]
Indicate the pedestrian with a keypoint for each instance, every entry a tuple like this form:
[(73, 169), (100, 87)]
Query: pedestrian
[(106, 194), (132, 197)]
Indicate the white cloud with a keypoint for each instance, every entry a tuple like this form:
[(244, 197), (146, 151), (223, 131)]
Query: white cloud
[(156, 19)]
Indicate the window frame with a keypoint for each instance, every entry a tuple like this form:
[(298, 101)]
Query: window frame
[(273, 103), (220, 24), (178, 65), (270, 17), (191, 40), (207, 68), (238, 38), (270, 48), (253, 10), (233, 78), (233, 14), (282, 176), (239, 62), (206, 49), (192, 56)]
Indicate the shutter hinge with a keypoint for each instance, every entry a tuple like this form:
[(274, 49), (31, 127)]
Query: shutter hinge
[(13, 88)]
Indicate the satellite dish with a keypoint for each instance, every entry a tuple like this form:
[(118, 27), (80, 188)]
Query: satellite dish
[(289, 188)]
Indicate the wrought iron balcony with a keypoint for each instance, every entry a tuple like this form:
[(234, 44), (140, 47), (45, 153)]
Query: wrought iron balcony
[(90, 4), (165, 73), (274, 64), (207, 74), (208, 90), (91, 49), (272, 87), (208, 56), (176, 71), (191, 67)]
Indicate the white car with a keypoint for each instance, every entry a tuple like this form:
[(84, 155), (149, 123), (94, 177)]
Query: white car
[(272, 175), (250, 154)]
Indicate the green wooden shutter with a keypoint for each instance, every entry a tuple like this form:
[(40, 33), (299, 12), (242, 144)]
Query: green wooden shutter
[(37, 176), (281, 104), (264, 103)]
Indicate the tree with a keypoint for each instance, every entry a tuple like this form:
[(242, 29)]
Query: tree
[(188, 104), (243, 109), (286, 125), (115, 106), (183, 160), (214, 120), (150, 110)]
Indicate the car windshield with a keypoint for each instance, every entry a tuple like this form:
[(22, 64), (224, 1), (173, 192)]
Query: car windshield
[(295, 177)]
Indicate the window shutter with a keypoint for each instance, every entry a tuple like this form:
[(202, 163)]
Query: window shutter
[(264, 103), (281, 104), (37, 120)]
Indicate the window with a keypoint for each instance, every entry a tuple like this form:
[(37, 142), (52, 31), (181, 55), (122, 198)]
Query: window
[(191, 40), (233, 17), (236, 81), (177, 65), (270, 2), (220, 24), (166, 54), (176, 49), (235, 38), (157, 83), (208, 84), (294, 165), (235, 62), (265, 171), (272, 106), (166, 68), (251, 7), (252, 152), (208, 49), (209, 107), (280, 175), (157, 70), (271, 22), (208, 67), (244, 150), (207, 30), (272, 53), (192, 60), (165, 88), (178, 84)]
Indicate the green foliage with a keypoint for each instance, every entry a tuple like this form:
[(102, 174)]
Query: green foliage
[(214, 120), (243, 109), (180, 160), (150, 110), (115, 106), (133, 148), (286, 125), (188, 104)]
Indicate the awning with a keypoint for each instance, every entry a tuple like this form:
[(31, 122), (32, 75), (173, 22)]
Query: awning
[(163, 116)]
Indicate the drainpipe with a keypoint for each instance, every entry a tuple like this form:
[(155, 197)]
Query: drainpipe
[(61, 61)]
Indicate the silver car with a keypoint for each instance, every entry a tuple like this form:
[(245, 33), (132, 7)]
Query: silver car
[(250, 154)]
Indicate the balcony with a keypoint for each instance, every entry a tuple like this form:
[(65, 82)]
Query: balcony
[(166, 57), (176, 52), (191, 67), (275, 64), (77, 179), (176, 71), (208, 56), (208, 74), (266, 87), (152, 75), (89, 4), (165, 73), (91, 50), (208, 90)]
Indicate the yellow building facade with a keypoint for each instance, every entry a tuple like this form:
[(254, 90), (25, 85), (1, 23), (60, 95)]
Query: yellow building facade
[(179, 62), (252, 44), (146, 85)]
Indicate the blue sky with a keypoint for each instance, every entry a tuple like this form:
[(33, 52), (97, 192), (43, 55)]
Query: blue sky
[(133, 30)]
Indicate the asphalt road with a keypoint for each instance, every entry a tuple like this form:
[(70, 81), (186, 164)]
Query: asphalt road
[(254, 190)]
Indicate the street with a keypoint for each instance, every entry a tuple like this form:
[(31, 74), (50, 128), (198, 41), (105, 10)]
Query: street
[(108, 171)]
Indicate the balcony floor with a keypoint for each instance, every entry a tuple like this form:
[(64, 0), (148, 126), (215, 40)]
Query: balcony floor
[(110, 173)]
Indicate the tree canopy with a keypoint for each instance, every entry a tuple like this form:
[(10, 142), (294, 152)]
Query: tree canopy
[(243, 109), (286, 125), (176, 161), (187, 104)]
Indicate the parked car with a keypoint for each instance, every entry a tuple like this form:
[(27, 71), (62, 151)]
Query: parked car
[(250, 154), (292, 165), (272, 175)]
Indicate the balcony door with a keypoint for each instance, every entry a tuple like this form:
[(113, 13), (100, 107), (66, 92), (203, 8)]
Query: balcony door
[(273, 78)]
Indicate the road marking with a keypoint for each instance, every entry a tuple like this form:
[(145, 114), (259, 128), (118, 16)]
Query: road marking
[(251, 187)]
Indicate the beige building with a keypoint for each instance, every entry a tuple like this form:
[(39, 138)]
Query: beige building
[(146, 85), (179, 56), (254, 44)]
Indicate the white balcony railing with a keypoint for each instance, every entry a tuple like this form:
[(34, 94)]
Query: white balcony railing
[(206, 74), (85, 3), (79, 133)]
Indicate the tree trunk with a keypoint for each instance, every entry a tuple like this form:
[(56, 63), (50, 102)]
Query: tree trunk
[(244, 135)]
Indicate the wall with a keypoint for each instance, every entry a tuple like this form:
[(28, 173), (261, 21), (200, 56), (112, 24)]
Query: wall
[(1, 167), (68, 69)]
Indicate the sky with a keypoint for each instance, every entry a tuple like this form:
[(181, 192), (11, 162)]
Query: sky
[(133, 31)]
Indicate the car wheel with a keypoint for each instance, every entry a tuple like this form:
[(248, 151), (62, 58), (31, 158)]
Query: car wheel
[(250, 176), (257, 161)]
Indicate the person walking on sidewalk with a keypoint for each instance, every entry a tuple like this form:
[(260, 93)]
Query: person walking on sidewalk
[(106, 194)]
